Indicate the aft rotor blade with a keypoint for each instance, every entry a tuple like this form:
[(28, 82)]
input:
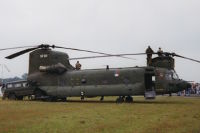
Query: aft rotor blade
[(103, 56), (20, 53), (89, 51), (16, 48), (186, 58)]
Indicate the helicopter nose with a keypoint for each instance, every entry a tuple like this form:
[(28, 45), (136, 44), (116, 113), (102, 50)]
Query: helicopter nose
[(184, 85)]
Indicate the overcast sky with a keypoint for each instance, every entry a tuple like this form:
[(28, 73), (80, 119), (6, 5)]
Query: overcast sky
[(111, 26)]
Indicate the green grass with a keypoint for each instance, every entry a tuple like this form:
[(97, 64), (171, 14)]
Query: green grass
[(163, 115)]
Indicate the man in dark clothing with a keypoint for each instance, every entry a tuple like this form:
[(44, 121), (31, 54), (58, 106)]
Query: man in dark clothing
[(149, 53)]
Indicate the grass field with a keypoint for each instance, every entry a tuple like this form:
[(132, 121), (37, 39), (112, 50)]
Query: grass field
[(163, 115)]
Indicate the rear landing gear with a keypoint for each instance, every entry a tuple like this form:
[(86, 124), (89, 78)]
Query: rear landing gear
[(11, 96), (120, 99), (38, 94), (3, 98), (127, 99)]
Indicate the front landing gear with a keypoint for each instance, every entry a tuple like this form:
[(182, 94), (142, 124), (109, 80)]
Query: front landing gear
[(129, 99), (82, 95), (102, 98), (120, 99)]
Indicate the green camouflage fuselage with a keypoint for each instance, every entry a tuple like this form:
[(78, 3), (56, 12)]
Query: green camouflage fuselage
[(96, 82)]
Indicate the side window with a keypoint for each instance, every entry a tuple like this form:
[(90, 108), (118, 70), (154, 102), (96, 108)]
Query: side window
[(25, 84), (18, 85), (9, 85), (83, 81)]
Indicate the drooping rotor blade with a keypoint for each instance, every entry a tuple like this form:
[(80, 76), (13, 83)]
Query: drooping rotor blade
[(89, 51), (30, 48), (20, 53), (16, 48), (103, 56)]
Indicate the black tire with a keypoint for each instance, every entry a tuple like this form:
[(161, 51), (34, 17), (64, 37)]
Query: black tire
[(4, 97), (30, 97), (102, 98), (129, 99), (51, 99), (63, 99), (20, 98), (38, 94), (120, 100), (12, 96)]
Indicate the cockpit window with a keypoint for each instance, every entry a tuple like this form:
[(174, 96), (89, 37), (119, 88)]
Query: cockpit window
[(174, 75), (168, 76)]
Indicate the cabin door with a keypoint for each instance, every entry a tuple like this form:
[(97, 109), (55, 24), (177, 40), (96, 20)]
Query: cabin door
[(150, 85), (150, 81)]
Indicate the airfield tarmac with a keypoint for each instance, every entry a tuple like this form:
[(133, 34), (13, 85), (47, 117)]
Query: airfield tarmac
[(162, 115)]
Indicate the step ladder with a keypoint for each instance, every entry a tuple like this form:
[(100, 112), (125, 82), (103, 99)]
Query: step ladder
[(150, 94)]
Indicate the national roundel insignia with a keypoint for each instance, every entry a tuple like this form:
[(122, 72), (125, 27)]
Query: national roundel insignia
[(116, 73)]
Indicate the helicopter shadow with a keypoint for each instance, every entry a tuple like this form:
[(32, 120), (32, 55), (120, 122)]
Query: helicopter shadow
[(132, 103)]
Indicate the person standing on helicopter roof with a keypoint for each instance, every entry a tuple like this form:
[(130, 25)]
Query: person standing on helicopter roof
[(149, 53), (160, 52), (78, 65)]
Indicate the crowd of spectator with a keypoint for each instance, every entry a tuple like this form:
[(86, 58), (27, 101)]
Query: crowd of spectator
[(194, 90)]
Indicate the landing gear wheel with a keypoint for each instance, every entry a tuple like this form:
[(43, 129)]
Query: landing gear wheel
[(120, 99), (3, 98), (20, 98), (102, 98), (38, 94), (52, 99), (63, 99), (12, 97), (129, 99)]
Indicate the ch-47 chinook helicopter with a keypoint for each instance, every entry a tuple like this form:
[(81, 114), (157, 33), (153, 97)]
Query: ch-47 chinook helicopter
[(52, 76)]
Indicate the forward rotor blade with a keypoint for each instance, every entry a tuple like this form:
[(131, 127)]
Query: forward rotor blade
[(89, 51), (180, 56), (103, 56), (20, 53), (186, 58)]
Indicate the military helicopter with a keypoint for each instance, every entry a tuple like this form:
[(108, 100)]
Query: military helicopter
[(52, 76)]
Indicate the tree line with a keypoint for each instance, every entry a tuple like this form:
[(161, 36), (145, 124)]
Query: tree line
[(16, 78)]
